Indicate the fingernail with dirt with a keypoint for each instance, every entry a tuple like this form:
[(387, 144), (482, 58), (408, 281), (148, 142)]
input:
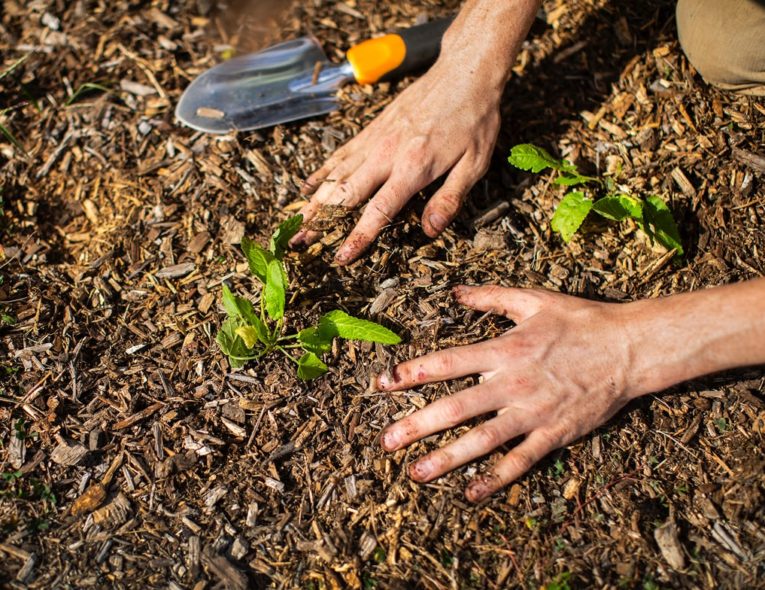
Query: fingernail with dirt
[(476, 491), (389, 440), (421, 470), (384, 380)]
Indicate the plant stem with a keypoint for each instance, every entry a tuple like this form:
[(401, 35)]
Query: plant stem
[(288, 355)]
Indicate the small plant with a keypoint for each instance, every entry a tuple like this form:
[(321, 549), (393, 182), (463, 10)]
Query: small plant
[(249, 335), (86, 88), (559, 582), (651, 214)]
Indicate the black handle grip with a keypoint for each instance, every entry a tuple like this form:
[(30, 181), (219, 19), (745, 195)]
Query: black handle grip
[(423, 44)]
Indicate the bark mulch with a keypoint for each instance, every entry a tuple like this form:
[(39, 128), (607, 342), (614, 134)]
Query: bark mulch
[(131, 456)]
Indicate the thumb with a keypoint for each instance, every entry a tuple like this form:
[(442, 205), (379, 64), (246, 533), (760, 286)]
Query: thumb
[(516, 304), (446, 203)]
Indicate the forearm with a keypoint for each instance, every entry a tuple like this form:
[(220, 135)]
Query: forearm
[(686, 336), (486, 37)]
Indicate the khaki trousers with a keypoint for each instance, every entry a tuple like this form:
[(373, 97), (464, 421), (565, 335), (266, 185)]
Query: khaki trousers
[(725, 42)]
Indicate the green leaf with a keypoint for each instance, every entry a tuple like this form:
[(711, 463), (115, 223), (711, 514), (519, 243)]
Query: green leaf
[(241, 309), (532, 158), (249, 334), (231, 345), (12, 138), (660, 224), (619, 207), (257, 257), (570, 214), (313, 340), (14, 65), (283, 234), (338, 323), (573, 179), (84, 89), (310, 366), (275, 292)]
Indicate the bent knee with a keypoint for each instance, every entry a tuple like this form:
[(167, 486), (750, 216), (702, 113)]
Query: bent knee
[(723, 39)]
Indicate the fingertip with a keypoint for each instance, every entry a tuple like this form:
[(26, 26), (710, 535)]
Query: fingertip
[(389, 439), (482, 487), (434, 223), (298, 239), (460, 292), (384, 380)]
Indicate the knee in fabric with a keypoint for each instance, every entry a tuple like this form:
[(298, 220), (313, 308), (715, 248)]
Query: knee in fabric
[(725, 40)]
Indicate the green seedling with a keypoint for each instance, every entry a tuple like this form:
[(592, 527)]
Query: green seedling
[(10, 136), (5, 131), (249, 335), (84, 89), (598, 195)]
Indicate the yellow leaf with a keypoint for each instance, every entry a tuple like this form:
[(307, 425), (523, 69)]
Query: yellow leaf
[(248, 334)]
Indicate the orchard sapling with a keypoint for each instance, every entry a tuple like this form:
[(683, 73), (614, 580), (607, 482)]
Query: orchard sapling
[(249, 334)]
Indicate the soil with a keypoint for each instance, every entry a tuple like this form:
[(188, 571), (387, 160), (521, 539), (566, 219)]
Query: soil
[(133, 457)]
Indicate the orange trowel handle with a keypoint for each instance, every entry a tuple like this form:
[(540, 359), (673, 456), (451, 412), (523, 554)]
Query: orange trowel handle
[(398, 54)]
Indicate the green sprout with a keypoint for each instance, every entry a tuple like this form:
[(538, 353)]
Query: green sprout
[(249, 335)]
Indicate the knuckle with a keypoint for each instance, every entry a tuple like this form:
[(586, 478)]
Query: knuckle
[(489, 437), (521, 460), (346, 191), (553, 437), (442, 461), (453, 410), (445, 363), (451, 200)]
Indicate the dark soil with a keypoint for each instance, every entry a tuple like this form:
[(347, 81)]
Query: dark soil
[(132, 457)]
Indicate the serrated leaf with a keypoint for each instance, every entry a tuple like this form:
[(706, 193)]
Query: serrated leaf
[(275, 292), (258, 258), (340, 324), (231, 345), (619, 207), (313, 340), (570, 214), (532, 158), (310, 366), (660, 224), (283, 234)]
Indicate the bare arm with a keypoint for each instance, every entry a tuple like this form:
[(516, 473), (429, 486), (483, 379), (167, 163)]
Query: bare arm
[(566, 368), (445, 123)]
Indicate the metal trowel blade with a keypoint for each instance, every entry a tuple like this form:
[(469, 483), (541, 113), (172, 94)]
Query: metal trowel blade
[(286, 82)]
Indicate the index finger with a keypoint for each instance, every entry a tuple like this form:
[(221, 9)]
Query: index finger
[(442, 365), (379, 212)]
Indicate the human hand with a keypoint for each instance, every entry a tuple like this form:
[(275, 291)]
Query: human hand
[(445, 122), (565, 369)]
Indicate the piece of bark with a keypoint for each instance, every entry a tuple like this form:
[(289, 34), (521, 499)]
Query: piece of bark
[(91, 499), (224, 570), (669, 545), (114, 513), (68, 455), (176, 271)]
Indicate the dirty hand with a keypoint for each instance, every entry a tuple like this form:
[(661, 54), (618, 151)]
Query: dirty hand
[(567, 367), (445, 123)]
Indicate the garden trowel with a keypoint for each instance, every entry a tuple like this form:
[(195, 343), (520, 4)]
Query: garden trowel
[(295, 80)]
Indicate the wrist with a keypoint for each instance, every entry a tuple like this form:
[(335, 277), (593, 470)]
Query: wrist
[(485, 38), (682, 337)]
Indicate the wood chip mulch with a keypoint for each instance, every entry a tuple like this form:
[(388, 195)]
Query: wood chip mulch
[(131, 456)]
